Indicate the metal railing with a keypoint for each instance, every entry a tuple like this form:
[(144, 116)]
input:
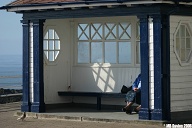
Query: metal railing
[(10, 98)]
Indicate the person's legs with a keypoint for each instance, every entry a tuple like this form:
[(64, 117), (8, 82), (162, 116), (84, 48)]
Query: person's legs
[(127, 108), (137, 108), (129, 99)]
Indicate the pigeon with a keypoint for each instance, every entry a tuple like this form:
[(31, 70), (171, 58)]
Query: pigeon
[(22, 116)]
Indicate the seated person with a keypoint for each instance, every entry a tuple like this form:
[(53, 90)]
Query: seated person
[(133, 96)]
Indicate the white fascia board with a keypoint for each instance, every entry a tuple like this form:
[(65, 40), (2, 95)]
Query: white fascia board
[(185, 3), (150, 2), (15, 9), (128, 4)]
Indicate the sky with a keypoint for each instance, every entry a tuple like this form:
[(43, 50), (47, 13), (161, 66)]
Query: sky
[(10, 31)]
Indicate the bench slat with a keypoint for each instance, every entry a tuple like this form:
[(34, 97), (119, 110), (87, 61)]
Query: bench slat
[(92, 94), (67, 93)]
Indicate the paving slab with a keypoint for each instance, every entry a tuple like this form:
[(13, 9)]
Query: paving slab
[(71, 118), (90, 114)]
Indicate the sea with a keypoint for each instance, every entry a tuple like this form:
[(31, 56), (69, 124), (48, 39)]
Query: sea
[(11, 71)]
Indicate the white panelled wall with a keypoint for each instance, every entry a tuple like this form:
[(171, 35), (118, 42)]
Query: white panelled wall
[(181, 76), (31, 74), (65, 71)]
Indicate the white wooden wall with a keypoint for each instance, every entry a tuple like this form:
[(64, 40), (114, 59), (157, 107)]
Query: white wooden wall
[(181, 76), (57, 74), (102, 80), (65, 72)]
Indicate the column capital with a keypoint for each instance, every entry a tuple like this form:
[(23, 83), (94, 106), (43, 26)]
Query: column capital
[(143, 18), (25, 21), (38, 21)]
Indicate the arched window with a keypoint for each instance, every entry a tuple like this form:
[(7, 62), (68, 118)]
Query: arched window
[(51, 45)]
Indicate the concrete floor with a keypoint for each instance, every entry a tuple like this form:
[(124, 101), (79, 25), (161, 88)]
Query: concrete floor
[(81, 114)]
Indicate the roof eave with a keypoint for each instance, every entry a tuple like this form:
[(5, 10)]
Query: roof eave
[(62, 5)]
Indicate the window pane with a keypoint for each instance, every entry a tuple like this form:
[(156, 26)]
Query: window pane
[(110, 52), (177, 44), (187, 33), (188, 43), (138, 52), (83, 52), (51, 45), (183, 55), (177, 35), (124, 31), (46, 54), (56, 36), (45, 45), (56, 54), (51, 55), (124, 36), (51, 34), (96, 31), (110, 31), (57, 45), (46, 36), (125, 52), (138, 31), (83, 31), (182, 30), (96, 52), (182, 43), (187, 54)]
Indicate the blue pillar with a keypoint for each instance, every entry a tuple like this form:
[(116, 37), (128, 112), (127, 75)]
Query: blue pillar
[(26, 99), (38, 105), (144, 47), (161, 68)]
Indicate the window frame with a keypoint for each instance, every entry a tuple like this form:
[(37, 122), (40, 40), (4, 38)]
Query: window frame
[(187, 62), (137, 43), (131, 20), (48, 62)]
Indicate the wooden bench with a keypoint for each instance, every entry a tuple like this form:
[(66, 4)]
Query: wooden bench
[(99, 95)]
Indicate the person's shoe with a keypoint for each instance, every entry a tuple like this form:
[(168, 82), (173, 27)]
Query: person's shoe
[(129, 111), (124, 109), (137, 111)]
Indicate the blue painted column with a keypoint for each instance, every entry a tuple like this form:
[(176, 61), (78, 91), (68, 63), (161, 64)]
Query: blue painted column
[(161, 68), (38, 105), (26, 99), (144, 47)]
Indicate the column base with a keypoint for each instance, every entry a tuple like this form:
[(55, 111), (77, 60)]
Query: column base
[(36, 107), (144, 114), (157, 114), (25, 107)]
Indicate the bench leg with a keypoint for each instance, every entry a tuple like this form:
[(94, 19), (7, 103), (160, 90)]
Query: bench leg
[(98, 103)]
